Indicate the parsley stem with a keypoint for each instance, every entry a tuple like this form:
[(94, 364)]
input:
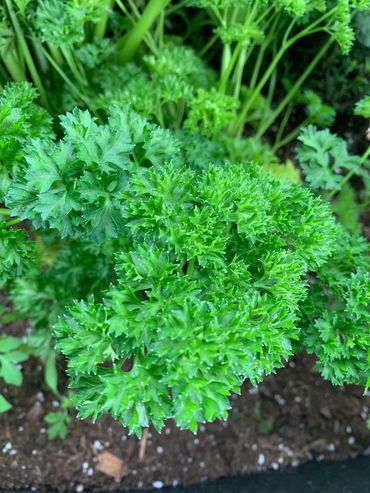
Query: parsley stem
[(349, 175), (132, 40), (17, 220), (27, 55), (101, 26), (191, 265), (281, 106), (13, 66), (286, 44)]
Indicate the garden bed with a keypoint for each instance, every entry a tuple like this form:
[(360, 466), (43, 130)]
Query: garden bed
[(293, 417)]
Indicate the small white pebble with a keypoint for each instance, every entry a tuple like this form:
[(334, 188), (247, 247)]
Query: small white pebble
[(20, 428), (330, 447), (351, 440), (295, 463), (261, 459), (280, 460), (297, 399), (42, 430), (23, 467), (13, 452), (157, 485), (124, 438), (79, 488), (196, 441), (253, 391), (40, 397), (202, 428), (348, 429), (90, 471), (140, 484), (167, 431), (33, 488), (175, 483), (275, 466), (254, 446), (98, 445), (85, 466), (160, 450), (202, 465), (8, 446), (280, 400), (34, 452), (291, 364), (55, 403), (189, 460)]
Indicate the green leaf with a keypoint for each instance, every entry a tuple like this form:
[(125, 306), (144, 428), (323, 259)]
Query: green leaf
[(10, 372), (4, 404), (8, 343), (51, 373)]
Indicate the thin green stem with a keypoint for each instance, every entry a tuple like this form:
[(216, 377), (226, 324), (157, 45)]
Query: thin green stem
[(298, 84), (66, 79), (27, 54), (291, 136), (349, 175), (79, 76), (101, 26), (13, 222), (286, 44), (208, 45), (13, 66), (131, 42), (190, 268), (283, 124)]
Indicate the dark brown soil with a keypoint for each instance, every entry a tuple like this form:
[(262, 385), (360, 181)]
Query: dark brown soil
[(293, 417)]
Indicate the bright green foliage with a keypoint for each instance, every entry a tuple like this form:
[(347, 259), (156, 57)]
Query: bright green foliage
[(76, 185), (338, 305), (210, 112), (63, 272), (318, 113), (11, 354), (15, 253), (61, 22), (363, 107), (172, 77), (58, 421), (20, 119), (151, 231), (206, 296), (323, 156)]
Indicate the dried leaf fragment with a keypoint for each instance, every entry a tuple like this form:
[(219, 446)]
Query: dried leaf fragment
[(111, 465)]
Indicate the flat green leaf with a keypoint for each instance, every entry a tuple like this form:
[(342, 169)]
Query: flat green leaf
[(8, 343), (10, 372), (51, 373), (4, 404)]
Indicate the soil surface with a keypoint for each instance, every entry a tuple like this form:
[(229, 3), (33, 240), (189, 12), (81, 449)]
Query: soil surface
[(291, 418)]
